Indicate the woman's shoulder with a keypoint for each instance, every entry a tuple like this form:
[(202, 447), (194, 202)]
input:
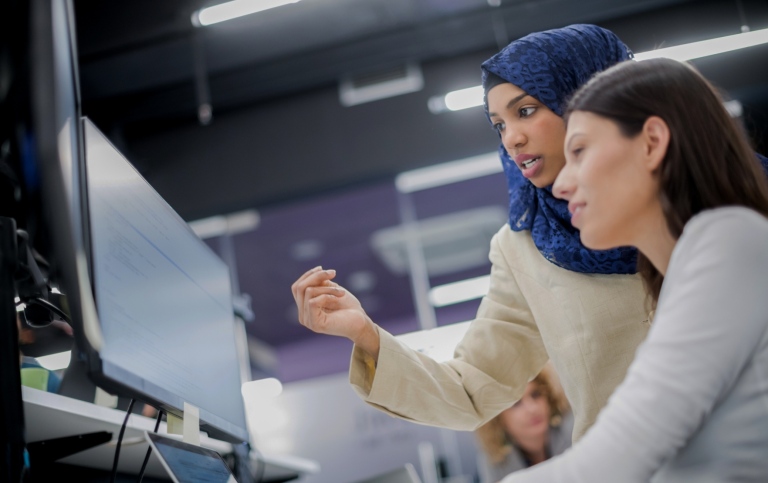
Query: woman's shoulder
[(727, 223), (740, 215), (729, 234)]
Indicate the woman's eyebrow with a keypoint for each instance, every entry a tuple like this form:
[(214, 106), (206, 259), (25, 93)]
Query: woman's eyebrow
[(571, 138), (511, 103)]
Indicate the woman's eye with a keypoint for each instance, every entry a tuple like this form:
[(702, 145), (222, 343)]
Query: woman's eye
[(498, 127), (576, 152), (535, 394), (527, 111)]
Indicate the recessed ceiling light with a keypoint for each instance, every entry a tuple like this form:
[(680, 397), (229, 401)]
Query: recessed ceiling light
[(234, 9)]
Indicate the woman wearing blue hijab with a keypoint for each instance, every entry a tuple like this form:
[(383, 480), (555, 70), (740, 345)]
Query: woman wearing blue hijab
[(549, 297)]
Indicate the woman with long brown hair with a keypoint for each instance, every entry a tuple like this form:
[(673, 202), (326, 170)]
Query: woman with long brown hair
[(653, 160)]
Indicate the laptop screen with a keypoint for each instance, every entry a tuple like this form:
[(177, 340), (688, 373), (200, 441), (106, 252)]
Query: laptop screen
[(187, 463)]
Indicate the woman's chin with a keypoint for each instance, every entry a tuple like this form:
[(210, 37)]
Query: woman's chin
[(595, 242), (543, 179)]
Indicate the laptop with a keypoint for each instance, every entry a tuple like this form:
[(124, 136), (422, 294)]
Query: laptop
[(187, 463), (405, 474)]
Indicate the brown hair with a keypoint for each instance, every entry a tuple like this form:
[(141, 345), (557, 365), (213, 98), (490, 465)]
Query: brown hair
[(495, 440), (709, 161)]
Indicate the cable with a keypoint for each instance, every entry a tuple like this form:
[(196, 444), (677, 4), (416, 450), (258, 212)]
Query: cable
[(149, 450), (45, 304), (120, 440)]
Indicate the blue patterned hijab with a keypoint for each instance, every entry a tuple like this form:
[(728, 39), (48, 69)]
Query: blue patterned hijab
[(550, 66)]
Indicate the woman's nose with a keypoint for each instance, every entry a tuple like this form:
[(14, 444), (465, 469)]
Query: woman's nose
[(565, 183), (513, 139)]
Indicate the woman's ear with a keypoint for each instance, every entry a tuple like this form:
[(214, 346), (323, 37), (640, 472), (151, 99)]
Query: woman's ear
[(656, 137)]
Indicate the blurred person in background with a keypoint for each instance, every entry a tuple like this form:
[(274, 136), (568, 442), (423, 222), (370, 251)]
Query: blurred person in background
[(532, 430)]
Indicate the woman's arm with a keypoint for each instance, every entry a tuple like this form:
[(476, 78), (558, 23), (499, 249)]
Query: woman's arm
[(500, 353), (712, 314)]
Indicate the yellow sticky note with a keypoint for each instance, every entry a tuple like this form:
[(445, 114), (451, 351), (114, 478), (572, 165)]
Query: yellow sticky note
[(175, 424), (191, 424)]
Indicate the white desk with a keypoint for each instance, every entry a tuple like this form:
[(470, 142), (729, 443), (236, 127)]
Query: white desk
[(49, 416)]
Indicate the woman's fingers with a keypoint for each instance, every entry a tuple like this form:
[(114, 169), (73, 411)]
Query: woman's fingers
[(297, 283), (318, 309), (315, 277), (312, 292)]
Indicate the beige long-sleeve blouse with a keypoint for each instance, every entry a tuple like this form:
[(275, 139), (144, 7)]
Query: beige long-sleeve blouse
[(589, 325)]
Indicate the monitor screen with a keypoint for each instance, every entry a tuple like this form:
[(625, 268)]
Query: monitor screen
[(187, 463), (163, 298)]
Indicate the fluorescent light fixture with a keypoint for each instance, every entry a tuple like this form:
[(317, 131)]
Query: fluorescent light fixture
[(457, 100), (438, 343), (464, 98), (54, 362), (231, 224), (447, 173), (456, 292), (234, 9), (381, 85), (473, 96), (705, 48)]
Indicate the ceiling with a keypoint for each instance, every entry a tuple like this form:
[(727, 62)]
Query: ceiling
[(320, 174), (128, 48)]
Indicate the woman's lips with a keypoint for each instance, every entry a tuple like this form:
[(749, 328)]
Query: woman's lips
[(536, 421), (575, 209), (530, 165)]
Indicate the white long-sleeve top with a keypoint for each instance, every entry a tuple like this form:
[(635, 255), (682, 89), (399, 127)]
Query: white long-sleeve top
[(694, 404)]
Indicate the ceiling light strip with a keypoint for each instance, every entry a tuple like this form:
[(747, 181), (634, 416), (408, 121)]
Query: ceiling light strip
[(473, 96), (705, 48), (447, 173), (234, 9)]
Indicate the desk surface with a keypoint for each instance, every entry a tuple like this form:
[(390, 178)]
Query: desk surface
[(49, 416)]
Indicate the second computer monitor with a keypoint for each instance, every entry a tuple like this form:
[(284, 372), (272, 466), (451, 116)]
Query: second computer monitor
[(163, 298)]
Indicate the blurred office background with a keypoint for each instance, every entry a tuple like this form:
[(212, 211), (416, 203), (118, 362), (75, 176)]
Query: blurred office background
[(294, 137)]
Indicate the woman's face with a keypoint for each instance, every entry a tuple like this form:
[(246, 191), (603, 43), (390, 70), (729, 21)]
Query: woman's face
[(608, 180), (531, 133), (529, 417)]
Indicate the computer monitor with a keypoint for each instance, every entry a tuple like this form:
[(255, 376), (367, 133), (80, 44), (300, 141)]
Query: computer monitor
[(39, 177), (150, 303), (163, 298)]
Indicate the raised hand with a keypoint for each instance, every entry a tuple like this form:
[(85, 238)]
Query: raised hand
[(327, 308)]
